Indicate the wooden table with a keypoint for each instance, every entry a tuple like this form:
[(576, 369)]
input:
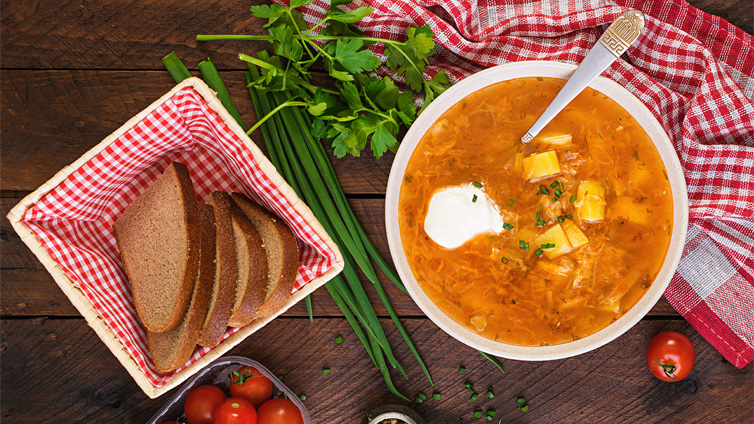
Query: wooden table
[(74, 71)]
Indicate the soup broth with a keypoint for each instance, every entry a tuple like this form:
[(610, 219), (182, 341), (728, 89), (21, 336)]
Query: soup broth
[(587, 208)]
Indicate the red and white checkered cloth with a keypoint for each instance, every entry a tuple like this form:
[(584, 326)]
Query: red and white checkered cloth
[(74, 221), (695, 72)]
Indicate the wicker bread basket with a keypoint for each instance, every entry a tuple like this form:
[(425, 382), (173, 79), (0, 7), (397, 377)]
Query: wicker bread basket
[(86, 306)]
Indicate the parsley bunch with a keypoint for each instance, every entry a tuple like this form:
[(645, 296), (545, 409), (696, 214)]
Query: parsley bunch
[(362, 108)]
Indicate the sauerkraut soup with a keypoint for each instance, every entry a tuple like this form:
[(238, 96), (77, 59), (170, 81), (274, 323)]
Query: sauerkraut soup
[(536, 244)]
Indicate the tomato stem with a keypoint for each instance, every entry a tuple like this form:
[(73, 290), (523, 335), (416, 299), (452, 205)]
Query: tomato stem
[(669, 368), (242, 378)]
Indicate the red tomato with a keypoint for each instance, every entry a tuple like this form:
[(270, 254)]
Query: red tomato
[(235, 411), (250, 384), (670, 356), (279, 411), (201, 404)]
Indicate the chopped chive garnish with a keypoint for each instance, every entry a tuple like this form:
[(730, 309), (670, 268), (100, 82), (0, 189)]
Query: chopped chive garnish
[(542, 190), (554, 184), (489, 393), (558, 192), (468, 387), (302, 397), (570, 215), (474, 397), (561, 186), (523, 245), (538, 214), (505, 261), (540, 222), (473, 199), (325, 371), (554, 199), (462, 370), (539, 252), (547, 246), (524, 408), (561, 219), (477, 185), (478, 414), (526, 248), (420, 397), (510, 202), (572, 199), (436, 396), (521, 400), (507, 226), (339, 340), (490, 413)]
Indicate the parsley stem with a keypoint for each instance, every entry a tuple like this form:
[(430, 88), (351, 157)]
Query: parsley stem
[(290, 15), (274, 111)]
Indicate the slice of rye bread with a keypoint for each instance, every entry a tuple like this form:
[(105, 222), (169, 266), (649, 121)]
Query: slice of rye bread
[(282, 254), (173, 348), (158, 238), (252, 269), (226, 272)]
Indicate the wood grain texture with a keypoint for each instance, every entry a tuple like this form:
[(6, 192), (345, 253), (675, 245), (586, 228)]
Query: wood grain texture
[(90, 385), (51, 118), (109, 34), (28, 290)]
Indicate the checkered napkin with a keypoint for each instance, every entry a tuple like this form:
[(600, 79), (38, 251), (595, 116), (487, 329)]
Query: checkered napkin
[(692, 70), (74, 221)]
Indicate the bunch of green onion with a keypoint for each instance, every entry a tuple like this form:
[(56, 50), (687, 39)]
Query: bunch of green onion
[(304, 164)]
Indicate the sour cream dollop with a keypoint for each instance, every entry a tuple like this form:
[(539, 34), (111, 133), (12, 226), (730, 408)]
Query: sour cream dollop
[(459, 213)]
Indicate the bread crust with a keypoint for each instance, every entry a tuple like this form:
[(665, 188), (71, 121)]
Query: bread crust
[(252, 291), (182, 341), (226, 273), (284, 240), (128, 229)]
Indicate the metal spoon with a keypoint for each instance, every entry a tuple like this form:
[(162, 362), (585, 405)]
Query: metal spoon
[(617, 39)]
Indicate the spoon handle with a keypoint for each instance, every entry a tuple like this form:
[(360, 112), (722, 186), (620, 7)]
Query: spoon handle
[(616, 40)]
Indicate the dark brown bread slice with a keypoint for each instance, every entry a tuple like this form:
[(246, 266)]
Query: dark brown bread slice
[(282, 254), (252, 270), (173, 348), (158, 239), (226, 272)]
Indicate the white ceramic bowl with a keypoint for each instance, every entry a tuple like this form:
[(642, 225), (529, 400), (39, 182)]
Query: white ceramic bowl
[(629, 103)]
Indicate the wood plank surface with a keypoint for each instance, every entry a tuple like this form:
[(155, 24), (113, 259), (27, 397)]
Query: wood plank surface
[(51, 118), (28, 290), (58, 371), (111, 34)]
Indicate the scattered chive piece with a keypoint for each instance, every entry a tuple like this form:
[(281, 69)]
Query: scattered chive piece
[(490, 413), (572, 199), (339, 340), (540, 222), (462, 370), (521, 400), (561, 219), (302, 397), (489, 393), (325, 371), (460, 421), (554, 199), (280, 377), (473, 199), (562, 187), (420, 397), (468, 387), (507, 226), (477, 185), (539, 252), (505, 261), (524, 408), (478, 414), (538, 214), (554, 184), (570, 215), (474, 397), (436, 396), (558, 192), (526, 248), (510, 202), (547, 246)]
